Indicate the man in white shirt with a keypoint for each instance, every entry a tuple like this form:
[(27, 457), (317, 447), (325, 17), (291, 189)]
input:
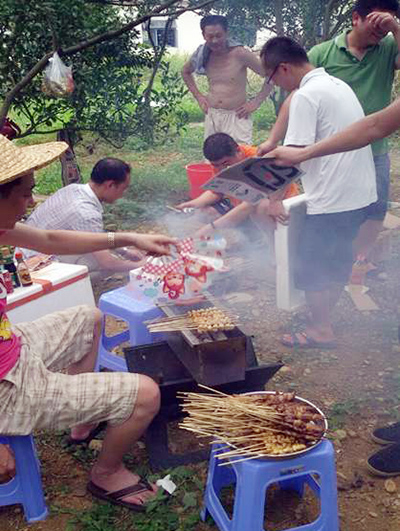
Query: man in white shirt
[(79, 207), (338, 187)]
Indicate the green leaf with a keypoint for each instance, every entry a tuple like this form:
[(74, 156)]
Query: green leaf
[(189, 500)]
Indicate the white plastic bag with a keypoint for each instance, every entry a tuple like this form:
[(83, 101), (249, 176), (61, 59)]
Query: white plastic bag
[(57, 81)]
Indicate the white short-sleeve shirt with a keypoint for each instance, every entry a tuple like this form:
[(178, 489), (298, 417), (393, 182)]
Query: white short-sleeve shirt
[(322, 106), (74, 207)]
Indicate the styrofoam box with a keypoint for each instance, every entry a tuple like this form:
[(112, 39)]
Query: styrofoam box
[(286, 238), (56, 287)]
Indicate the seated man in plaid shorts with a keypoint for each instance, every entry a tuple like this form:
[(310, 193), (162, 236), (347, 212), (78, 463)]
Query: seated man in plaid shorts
[(33, 394)]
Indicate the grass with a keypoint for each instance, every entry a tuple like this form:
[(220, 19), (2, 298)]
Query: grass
[(158, 174), (161, 170), (178, 512)]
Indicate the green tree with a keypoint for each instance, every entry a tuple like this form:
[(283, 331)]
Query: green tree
[(309, 21), (111, 68)]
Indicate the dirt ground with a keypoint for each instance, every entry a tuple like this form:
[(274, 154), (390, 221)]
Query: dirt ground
[(357, 385)]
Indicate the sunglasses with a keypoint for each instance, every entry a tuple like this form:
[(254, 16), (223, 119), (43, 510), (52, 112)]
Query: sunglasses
[(273, 73)]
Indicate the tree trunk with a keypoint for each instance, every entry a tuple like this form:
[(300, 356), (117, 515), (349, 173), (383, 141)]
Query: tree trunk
[(70, 172), (279, 17)]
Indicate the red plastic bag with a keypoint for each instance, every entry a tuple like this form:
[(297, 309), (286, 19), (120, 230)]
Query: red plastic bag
[(10, 129)]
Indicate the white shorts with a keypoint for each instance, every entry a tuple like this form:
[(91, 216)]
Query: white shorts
[(223, 121)]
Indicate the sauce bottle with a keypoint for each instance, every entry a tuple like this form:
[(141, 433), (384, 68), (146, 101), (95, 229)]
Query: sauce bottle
[(23, 270)]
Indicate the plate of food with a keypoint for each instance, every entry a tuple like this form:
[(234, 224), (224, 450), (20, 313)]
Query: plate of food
[(257, 425), (310, 421)]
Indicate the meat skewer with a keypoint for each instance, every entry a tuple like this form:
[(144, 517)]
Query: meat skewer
[(203, 320), (254, 425)]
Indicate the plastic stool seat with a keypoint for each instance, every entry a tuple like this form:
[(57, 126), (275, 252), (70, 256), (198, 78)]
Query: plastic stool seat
[(26, 486), (124, 303), (253, 477)]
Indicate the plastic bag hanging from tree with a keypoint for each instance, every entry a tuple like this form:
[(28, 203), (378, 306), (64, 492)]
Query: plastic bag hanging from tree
[(57, 81)]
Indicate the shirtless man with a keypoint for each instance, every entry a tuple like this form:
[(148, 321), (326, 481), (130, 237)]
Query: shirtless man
[(225, 64)]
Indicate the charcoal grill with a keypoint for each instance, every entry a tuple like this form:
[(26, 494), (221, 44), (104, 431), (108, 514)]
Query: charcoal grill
[(223, 360)]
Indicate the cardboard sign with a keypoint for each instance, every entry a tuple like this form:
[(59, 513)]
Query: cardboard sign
[(252, 179)]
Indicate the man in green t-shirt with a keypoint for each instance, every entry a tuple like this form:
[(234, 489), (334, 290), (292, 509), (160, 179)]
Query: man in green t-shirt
[(366, 58)]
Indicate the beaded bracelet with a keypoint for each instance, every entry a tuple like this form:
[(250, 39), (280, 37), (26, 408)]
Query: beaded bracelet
[(111, 240)]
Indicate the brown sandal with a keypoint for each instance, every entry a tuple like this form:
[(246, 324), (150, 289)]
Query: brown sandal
[(116, 496)]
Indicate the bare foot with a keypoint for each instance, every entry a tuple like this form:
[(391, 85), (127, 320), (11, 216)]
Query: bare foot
[(119, 480), (81, 432), (303, 340), (7, 463), (324, 335)]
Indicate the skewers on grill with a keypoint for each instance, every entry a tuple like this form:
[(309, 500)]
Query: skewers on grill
[(203, 320), (254, 426)]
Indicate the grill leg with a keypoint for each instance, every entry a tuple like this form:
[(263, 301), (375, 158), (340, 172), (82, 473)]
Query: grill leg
[(158, 448)]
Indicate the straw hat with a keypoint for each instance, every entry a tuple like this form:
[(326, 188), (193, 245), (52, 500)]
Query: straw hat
[(16, 161)]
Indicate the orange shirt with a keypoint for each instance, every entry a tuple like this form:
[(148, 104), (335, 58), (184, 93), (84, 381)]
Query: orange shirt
[(251, 151)]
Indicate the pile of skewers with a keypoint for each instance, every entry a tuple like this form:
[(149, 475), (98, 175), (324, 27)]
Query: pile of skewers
[(253, 426), (205, 320)]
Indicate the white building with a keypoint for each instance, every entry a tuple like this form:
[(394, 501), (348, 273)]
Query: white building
[(185, 35)]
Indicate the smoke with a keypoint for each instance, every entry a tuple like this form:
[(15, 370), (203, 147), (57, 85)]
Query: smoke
[(248, 257)]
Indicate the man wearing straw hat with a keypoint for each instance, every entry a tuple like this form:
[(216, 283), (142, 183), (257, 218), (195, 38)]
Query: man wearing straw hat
[(33, 394)]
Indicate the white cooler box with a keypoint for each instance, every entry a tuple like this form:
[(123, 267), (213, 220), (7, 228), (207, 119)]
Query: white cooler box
[(55, 287), (286, 237)]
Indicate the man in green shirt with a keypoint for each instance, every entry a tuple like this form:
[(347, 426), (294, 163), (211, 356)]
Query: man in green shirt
[(366, 58)]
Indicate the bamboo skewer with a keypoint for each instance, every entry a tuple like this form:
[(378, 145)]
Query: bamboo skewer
[(204, 320)]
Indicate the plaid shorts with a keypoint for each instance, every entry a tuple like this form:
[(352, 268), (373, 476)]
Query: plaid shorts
[(33, 395)]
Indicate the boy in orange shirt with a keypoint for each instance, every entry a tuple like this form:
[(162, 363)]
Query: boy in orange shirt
[(222, 151)]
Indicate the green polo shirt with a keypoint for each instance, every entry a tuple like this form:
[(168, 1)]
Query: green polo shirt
[(371, 78)]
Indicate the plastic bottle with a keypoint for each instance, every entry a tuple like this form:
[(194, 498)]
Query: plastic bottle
[(10, 266), (7, 280), (6, 276), (23, 270)]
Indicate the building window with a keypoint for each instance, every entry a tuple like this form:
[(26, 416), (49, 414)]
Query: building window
[(157, 32)]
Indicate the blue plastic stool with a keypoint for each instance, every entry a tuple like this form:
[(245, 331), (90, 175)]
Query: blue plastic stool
[(253, 477), (26, 486), (121, 303)]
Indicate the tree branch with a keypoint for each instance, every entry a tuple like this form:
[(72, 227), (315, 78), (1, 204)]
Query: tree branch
[(327, 17), (110, 35), (107, 36), (185, 10)]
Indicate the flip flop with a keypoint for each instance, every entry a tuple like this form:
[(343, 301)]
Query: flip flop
[(69, 441), (309, 342), (116, 496)]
